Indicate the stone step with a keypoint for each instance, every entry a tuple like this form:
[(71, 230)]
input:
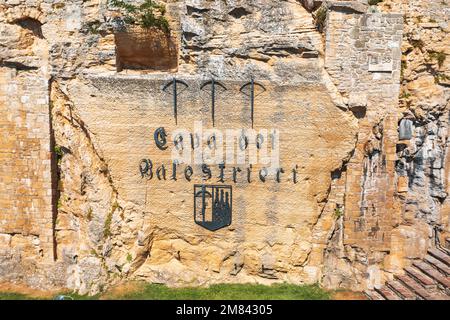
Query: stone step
[(438, 265), (421, 277), (438, 254), (402, 290), (373, 295), (433, 273), (388, 293), (415, 287)]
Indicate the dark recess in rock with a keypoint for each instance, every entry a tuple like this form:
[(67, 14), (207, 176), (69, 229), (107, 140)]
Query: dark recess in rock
[(189, 35), (17, 65), (195, 11), (31, 24), (359, 112), (238, 12)]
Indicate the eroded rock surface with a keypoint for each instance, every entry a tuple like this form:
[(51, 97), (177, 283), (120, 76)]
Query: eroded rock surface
[(373, 169)]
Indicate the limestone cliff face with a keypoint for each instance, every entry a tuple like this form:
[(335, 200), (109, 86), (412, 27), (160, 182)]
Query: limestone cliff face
[(81, 108), (424, 100), (418, 206)]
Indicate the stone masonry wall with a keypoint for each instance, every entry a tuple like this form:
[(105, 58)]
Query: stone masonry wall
[(395, 198), (26, 165), (424, 104), (60, 87), (368, 47), (26, 197)]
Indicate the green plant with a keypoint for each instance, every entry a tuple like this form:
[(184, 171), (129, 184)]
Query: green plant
[(441, 77), (59, 154), (92, 26), (338, 212), (403, 67), (89, 214), (58, 151), (107, 227), (148, 15), (417, 44), (15, 296), (129, 257), (439, 57), (115, 206), (374, 2), (320, 17), (405, 95)]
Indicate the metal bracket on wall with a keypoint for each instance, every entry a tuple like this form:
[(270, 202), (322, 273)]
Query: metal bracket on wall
[(213, 84), (175, 92), (252, 95)]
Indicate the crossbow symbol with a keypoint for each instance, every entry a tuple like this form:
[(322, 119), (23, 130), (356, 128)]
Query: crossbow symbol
[(175, 92), (252, 94), (213, 85)]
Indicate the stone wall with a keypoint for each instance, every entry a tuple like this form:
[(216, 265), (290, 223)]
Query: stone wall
[(271, 233), (26, 197), (334, 95), (26, 164), (388, 222), (372, 41), (424, 104)]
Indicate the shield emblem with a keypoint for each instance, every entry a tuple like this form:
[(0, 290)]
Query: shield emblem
[(212, 206)]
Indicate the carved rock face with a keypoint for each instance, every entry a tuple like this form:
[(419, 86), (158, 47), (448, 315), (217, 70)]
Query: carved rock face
[(142, 49), (168, 209)]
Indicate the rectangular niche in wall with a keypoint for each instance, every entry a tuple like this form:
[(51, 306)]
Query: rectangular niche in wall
[(146, 49)]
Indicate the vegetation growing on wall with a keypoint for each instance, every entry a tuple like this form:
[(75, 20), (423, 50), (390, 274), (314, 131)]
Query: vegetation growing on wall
[(320, 17), (89, 214), (338, 212), (441, 78), (92, 27), (59, 153), (108, 221), (439, 57), (149, 14), (374, 2), (417, 43), (404, 65)]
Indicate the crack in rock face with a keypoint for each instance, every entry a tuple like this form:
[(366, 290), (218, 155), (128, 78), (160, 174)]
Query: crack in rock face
[(238, 12)]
